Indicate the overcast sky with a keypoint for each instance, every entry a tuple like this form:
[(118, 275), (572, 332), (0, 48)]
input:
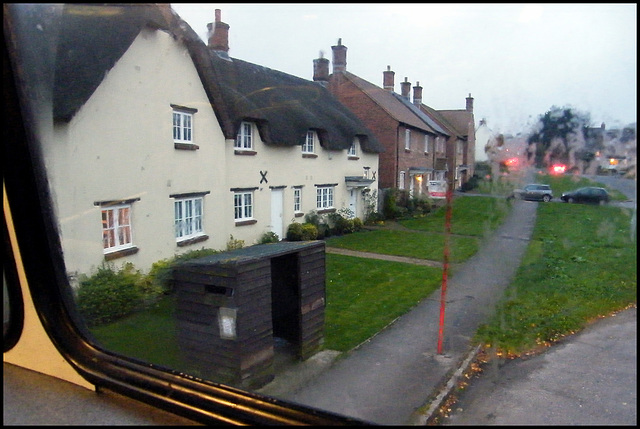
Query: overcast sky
[(516, 60)]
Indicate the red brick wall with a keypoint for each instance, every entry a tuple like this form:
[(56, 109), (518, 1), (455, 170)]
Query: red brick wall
[(377, 121)]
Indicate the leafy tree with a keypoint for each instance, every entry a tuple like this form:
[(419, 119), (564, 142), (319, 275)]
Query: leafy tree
[(556, 133)]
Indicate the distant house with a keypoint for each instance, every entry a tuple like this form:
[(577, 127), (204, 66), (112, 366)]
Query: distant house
[(462, 147), (418, 140), (161, 144), (484, 134)]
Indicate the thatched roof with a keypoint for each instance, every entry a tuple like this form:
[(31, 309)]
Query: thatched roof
[(93, 37)]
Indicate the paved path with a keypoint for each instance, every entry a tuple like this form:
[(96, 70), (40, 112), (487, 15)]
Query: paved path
[(391, 378), (416, 261), (587, 379)]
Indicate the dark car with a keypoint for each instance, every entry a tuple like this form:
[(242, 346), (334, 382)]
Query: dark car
[(589, 195), (533, 192)]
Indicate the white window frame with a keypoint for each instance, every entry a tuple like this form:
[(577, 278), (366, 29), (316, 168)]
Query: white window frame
[(244, 139), (401, 180), (407, 139), (440, 144), (243, 205), (427, 143), (324, 197), (353, 150), (297, 200), (117, 231), (309, 142), (188, 218), (182, 127), (459, 147)]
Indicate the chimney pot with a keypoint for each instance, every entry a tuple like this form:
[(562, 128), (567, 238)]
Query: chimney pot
[(406, 88), (417, 94), (218, 34), (339, 57), (469, 103), (321, 70), (388, 79)]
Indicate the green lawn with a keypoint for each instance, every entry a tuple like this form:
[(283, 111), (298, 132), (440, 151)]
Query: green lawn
[(581, 264)]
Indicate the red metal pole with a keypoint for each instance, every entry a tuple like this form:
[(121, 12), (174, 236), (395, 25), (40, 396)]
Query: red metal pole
[(445, 265)]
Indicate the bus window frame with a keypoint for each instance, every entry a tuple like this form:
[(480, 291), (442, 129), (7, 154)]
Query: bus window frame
[(34, 223)]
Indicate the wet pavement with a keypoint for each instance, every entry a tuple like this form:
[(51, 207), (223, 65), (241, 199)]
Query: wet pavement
[(396, 377)]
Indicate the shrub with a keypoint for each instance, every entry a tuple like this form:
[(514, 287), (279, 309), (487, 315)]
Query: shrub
[(420, 205), (471, 184), (158, 281), (309, 231), (340, 225), (294, 232), (302, 232), (108, 294), (269, 237), (234, 244), (357, 224), (390, 208), (313, 218), (374, 218)]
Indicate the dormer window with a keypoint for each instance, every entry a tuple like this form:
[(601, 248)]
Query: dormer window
[(352, 152), (244, 140), (308, 147), (309, 143)]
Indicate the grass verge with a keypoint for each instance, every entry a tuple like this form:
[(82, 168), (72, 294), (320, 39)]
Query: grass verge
[(580, 265)]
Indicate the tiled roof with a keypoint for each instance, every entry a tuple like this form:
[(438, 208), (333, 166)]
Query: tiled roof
[(460, 120), (395, 105), (423, 116), (442, 120)]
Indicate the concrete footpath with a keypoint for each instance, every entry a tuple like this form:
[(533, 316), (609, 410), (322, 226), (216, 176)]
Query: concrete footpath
[(397, 377), (589, 378)]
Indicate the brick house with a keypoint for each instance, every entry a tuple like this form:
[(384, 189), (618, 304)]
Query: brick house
[(418, 140)]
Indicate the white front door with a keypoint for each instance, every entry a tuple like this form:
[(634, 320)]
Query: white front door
[(277, 207), (353, 202)]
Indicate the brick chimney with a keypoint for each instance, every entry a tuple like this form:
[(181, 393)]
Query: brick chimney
[(406, 88), (469, 103), (321, 69), (339, 57), (417, 94), (218, 34), (388, 79)]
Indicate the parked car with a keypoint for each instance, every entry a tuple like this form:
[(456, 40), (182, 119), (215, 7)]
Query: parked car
[(533, 192), (589, 195)]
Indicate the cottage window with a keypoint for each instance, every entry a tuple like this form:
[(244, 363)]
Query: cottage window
[(353, 149), (407, 139), (401, 180), (440, 144), (243, 205), (182, 127), (188, 218), (244, 140), (309, 143), (116, 228), (297, 200), (324, 197)]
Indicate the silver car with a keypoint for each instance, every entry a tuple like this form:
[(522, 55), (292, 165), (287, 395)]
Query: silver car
[(533, 192)]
